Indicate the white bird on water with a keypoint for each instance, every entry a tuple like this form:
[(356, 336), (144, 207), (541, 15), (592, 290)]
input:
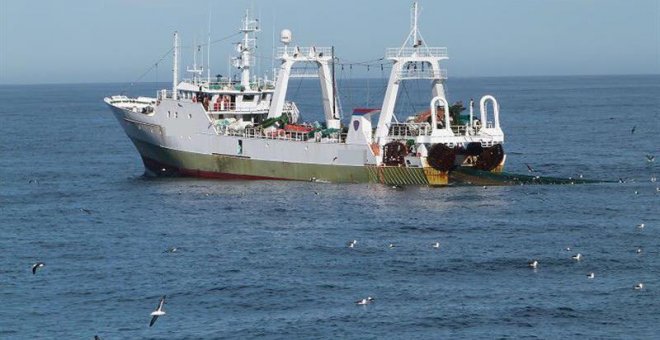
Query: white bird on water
[(577, 257), (37, 266), (436, 245), (365, 301), (352, 244), (640, 226), (638, 286), (591, 275), (158, 312), (639, 250), (533, 264)]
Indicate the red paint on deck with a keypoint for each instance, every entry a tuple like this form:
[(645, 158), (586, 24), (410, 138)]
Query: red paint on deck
[(157, 167)]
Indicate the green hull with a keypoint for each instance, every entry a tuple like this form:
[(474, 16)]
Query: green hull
[(161, 160)]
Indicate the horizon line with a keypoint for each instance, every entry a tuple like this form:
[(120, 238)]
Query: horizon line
[(356, 78)]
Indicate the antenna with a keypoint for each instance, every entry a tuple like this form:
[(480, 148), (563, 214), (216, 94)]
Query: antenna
[(414, 24), (208, 51), (414, 37), (175, 68)]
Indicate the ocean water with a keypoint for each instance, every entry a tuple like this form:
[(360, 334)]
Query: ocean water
[(269, 259)]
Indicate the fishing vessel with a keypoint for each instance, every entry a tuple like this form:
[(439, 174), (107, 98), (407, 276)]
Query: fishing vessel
[(246, 129)]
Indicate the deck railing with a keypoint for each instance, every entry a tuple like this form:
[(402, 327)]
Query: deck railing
[(404, 130), (258, 133)]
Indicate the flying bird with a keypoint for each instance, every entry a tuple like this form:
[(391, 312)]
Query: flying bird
[(158, 312), (365, 301), (37, 266)]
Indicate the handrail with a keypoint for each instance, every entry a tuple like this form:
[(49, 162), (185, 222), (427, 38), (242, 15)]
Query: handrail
[(422, 74), (298, 51), (407, 52)]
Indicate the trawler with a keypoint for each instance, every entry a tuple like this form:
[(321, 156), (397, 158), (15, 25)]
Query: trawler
[(246, 129)]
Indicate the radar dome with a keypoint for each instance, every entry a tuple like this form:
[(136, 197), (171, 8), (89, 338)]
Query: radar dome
[(285, 36)]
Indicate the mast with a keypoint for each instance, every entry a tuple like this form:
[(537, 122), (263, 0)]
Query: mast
[(414, 14), (246, 47), (334, 86), (175, 68), (208, 52)]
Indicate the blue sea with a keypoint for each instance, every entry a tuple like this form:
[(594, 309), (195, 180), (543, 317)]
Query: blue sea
[(269, 259)]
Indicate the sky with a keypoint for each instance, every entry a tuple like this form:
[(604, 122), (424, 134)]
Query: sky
[(84, 41)]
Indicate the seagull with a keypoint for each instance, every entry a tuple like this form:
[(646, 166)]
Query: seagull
[(171, 250), (436, 245), (577, 257), (316, 193), (568, 248), (633, 129), (366, 301), (636, 192), (352, 244), (639, 250), (653, 179), (650, 158), (533, 264), (392, 245), (37, 266), (638, 286), (640, 226), (529, 168), (621, 180), (158, 312), (33, 181), (591, 275)]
